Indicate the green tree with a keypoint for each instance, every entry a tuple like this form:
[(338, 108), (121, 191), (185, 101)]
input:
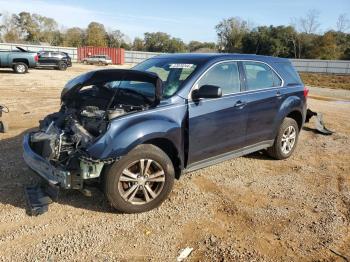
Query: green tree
[(74, 37), (156, 42), (138, 44), (29, 27), (115, 38), (162, 42), (1, 28), (96, 35), (230, 34), (10, 30), (275, 41), (48, 29), (176, 45), (196, 46), (326, 47)]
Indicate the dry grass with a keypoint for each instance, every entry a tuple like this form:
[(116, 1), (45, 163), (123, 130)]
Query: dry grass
[(326, 80)]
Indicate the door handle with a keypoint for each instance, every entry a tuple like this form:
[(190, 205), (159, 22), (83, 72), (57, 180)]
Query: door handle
[(240, 104), (279, 95)]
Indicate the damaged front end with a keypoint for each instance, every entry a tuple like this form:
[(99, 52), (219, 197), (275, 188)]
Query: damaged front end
[(61, 143), (58, 151)]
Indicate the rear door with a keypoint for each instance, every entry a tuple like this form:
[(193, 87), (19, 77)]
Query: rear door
[(217, 126), (263, 87), (55, 57)]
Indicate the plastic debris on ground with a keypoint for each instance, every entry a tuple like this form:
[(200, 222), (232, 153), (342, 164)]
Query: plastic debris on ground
[(184, 253), (320, 126)]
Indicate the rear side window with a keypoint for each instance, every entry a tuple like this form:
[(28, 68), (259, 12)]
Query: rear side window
[(224, 75), (290, 74), (260, 76), (45, 54)]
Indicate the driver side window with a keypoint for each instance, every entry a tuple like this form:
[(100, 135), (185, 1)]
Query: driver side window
[(224, 75)]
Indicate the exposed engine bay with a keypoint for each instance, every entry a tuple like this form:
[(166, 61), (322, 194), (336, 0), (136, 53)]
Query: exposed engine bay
[(64, 135)]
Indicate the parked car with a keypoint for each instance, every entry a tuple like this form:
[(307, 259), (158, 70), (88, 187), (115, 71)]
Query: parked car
[(137, 130), (54, 59), (19, 60), (98, 59)]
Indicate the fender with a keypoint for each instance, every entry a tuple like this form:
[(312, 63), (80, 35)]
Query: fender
[(127, 132), (292, 103)]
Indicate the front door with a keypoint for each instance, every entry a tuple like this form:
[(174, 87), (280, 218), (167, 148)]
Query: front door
[(217, 126), (44, 58)]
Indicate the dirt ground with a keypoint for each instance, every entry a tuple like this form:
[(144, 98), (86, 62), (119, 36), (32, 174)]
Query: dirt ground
[(251, 208)]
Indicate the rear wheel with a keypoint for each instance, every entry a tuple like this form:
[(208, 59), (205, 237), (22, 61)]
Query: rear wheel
[(20, 68), (286, 140), (140, 181), (62, 66)]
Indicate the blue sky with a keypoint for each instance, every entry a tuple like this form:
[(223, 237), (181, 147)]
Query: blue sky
[(189, 20)]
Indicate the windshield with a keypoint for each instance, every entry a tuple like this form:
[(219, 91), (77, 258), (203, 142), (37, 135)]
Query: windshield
[(173, 72)]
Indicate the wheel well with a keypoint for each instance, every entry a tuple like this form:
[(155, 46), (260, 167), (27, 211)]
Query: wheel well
[(297, 116), (168, 147), (17, 60)]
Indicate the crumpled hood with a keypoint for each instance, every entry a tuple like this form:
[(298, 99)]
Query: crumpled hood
[(108, 75)]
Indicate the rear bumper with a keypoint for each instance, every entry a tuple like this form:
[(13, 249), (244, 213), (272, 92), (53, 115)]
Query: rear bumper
[(43, 168)]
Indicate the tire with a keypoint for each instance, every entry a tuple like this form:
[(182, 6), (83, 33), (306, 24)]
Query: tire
[(62, 66), (20, 68), (136, 200), (4, 128), (281, 149)]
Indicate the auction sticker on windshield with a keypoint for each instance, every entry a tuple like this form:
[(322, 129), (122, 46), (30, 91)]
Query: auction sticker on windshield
[(181, 65)]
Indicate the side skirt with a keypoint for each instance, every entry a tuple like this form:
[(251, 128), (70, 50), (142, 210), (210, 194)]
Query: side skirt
[(227, 156)]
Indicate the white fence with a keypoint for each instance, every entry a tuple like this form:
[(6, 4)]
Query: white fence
[(135, 57), (301, 65), (322, 66), (71, 51)]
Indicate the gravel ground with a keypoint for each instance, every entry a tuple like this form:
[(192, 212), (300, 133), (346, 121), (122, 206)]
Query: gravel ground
[(251, 208)]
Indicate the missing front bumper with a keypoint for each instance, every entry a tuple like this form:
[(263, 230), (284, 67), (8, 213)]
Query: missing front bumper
[(88, 168), (42, 167)]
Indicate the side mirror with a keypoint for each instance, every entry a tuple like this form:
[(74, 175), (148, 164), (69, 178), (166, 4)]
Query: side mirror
[(207, 91)]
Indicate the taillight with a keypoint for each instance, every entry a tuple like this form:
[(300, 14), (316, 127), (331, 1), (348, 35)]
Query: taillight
[(36, 58), (306, 91)]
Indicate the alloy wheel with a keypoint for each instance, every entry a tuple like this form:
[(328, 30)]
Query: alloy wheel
[(288, 139), (21, 68), (141, 182)]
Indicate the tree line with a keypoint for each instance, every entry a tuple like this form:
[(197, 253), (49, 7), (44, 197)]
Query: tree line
[(300, 39)]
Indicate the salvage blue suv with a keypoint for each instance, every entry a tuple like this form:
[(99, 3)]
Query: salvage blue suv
[(137, 130)]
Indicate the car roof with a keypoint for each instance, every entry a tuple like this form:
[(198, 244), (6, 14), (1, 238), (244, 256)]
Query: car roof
[(205, 57)]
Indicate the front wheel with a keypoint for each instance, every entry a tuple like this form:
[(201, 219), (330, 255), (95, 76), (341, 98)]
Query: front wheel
[(286, 140), (140, 181)]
